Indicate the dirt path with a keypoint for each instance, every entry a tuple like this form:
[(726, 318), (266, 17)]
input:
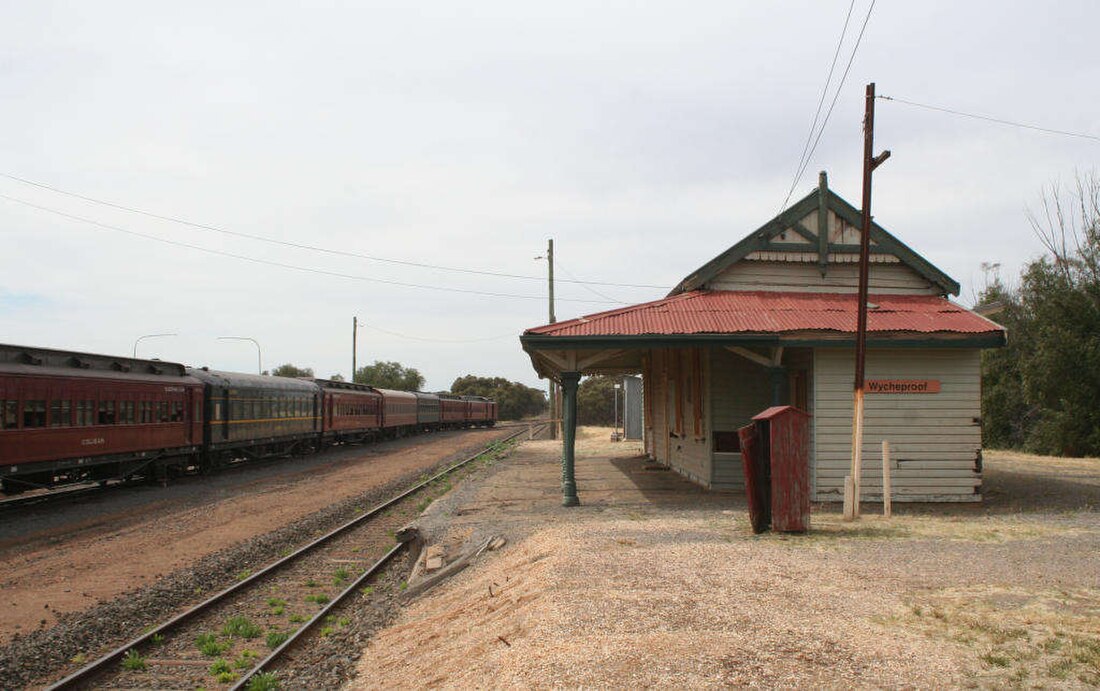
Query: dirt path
[(68, 557)]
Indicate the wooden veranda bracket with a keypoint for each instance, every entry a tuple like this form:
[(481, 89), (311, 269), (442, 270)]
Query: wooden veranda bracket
[(763, 360)]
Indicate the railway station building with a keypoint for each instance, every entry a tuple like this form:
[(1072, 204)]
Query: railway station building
[(772, 321)]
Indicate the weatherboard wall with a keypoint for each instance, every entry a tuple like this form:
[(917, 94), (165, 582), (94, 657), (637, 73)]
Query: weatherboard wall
[(935, 438), (801, 276)]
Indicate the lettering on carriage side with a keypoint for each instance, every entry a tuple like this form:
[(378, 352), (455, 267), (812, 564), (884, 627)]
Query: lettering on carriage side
[(902, 386), (173, 389), (94, 441)]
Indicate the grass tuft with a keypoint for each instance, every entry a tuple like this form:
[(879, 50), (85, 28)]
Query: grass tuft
[(276, 638), (241, 627), (133, 661), (264, 681)]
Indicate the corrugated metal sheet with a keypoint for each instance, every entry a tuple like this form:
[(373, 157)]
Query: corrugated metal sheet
[(724, 311)]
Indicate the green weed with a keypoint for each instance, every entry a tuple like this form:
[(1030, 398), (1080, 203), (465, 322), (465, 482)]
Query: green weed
[(297, 618), (241, 627), (208, 645), (133, 661), (276, 638), (340, 575), (220, 665), (319, 598), (264, 681)]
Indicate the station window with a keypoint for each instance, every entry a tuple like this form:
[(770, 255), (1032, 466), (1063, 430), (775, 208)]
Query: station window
[(9, 419), (106, 413), (34, 413), (60, 413)]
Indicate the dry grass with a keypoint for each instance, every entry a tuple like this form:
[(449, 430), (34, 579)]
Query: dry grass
[(1020, 636)]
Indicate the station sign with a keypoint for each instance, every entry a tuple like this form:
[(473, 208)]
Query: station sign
[(902, 386)]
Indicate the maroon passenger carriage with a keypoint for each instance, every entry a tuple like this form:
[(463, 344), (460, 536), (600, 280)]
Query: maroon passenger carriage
[(68, 417), (353, 412)]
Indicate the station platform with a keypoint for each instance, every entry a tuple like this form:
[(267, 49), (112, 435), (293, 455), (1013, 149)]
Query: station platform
[(652, 581)]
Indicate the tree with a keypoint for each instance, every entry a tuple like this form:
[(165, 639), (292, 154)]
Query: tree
[(596, 400), (390, 375), (514, 400), (337, 377), (289, 370), (1040, 392)]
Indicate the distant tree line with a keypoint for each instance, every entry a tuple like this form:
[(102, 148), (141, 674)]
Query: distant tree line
[(390, 375), (514, 400), (596, 401), (1041, 393)]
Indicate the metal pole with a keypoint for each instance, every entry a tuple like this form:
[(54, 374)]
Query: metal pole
[(555, 398), (142, 338), (870, 162), (259, 354), (354, 337)]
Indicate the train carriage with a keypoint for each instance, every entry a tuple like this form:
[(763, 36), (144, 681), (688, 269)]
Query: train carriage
[(452, 410), (352, 412), (249, 415), (68, 416), (427, 411), (481, 411), (398, 411)]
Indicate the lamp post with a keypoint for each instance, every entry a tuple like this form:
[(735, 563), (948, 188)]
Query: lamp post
[(259, 355), (142, 338)]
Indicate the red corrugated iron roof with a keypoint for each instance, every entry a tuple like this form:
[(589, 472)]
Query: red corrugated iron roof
[(728, 311)]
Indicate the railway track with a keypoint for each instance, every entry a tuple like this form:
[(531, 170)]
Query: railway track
[(292, 597)]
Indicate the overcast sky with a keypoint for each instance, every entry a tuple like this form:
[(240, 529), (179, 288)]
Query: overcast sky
[(645, 138)]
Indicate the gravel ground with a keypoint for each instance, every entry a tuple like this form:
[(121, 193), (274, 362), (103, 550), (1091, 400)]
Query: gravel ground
[(654, 582), (36, 657)]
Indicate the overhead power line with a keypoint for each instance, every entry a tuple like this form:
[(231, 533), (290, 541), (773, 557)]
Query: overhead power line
[(303, 246), (832, 105), (295, 267), (437, 340), (988, 118), (820, 103)]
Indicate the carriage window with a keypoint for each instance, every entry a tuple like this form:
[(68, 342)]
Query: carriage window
[(106, 413), (60, 413), (162, 411), (177, 411), (85, 410), (126, 412), (9, 419), (34, 413)]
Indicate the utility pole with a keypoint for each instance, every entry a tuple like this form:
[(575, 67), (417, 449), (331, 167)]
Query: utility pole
[(354, 340), (555, 402), (870, 162)]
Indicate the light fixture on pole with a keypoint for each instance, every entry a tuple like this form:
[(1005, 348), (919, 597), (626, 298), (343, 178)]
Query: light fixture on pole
[(259, 355), (142, 338)]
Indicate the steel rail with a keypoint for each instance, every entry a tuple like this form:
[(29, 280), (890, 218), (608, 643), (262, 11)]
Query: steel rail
[(319, 616), (99, 665)]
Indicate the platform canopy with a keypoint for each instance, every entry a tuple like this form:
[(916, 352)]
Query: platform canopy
[(611, 341)]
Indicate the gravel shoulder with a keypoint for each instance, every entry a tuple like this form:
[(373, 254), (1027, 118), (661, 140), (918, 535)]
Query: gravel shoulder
[(655, 582)]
